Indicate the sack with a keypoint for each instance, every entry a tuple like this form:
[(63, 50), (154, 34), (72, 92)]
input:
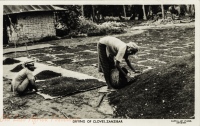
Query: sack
[(117, 79)]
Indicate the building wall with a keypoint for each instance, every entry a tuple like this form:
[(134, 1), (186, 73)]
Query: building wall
[(33, 26)]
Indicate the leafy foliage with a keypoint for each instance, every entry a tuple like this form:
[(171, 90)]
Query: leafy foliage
[(93, 29), (69, 19), (86, 25), (72, 24)]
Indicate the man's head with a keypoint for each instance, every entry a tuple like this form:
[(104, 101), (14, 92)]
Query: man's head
[(132, 48), (30, 65)]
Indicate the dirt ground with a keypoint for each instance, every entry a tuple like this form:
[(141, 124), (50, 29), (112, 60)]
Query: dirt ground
[(158, 46)]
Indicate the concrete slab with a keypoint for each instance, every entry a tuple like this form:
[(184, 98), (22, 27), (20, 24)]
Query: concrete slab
[(41, 67), (23, 48), (162, 26)]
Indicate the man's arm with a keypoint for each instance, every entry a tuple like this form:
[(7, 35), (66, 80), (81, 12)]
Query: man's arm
[(117, 64), (130, 66)]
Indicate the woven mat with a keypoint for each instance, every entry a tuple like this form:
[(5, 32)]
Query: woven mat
[(63, 86)]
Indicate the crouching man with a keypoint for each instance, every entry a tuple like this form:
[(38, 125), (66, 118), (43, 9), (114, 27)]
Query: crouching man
[(111, 52), (24, 80)]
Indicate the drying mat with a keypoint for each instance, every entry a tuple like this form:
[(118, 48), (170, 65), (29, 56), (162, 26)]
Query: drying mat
[(18, 68), (47, 74), (9, 61), (63, 86)]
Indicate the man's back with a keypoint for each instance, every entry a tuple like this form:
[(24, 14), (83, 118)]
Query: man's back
[(114, 47)]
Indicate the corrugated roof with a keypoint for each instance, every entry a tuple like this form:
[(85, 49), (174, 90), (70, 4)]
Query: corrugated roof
[(11, 9)]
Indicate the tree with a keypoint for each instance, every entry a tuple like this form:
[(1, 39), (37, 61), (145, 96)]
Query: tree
[(136, 11), (124, 9), (163, 12), (190, 10), (144, 12), (20, 34), (69, 18), (93, 14), (82, 9)]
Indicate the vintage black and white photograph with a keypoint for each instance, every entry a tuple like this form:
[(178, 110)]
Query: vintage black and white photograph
[(99, 61)]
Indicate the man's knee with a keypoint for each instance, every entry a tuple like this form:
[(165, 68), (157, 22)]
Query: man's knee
[(20, 92)]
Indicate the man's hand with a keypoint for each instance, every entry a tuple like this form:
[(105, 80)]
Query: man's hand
[(128, 78), (137, 71)]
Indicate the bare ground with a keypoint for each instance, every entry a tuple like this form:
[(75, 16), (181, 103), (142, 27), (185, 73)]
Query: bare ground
[(158, 46)]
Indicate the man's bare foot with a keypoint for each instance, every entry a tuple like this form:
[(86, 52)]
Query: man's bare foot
[(106, 89)]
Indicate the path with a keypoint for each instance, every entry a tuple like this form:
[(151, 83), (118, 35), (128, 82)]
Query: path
[(23, 48)]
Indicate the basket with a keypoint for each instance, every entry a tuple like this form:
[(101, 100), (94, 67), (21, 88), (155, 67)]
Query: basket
[(117, 79)]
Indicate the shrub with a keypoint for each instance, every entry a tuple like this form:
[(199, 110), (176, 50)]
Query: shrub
[(69, 20), (92, 29), (86, 25), (96, 32), (47, 38), (112, 27), (111, 18)]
